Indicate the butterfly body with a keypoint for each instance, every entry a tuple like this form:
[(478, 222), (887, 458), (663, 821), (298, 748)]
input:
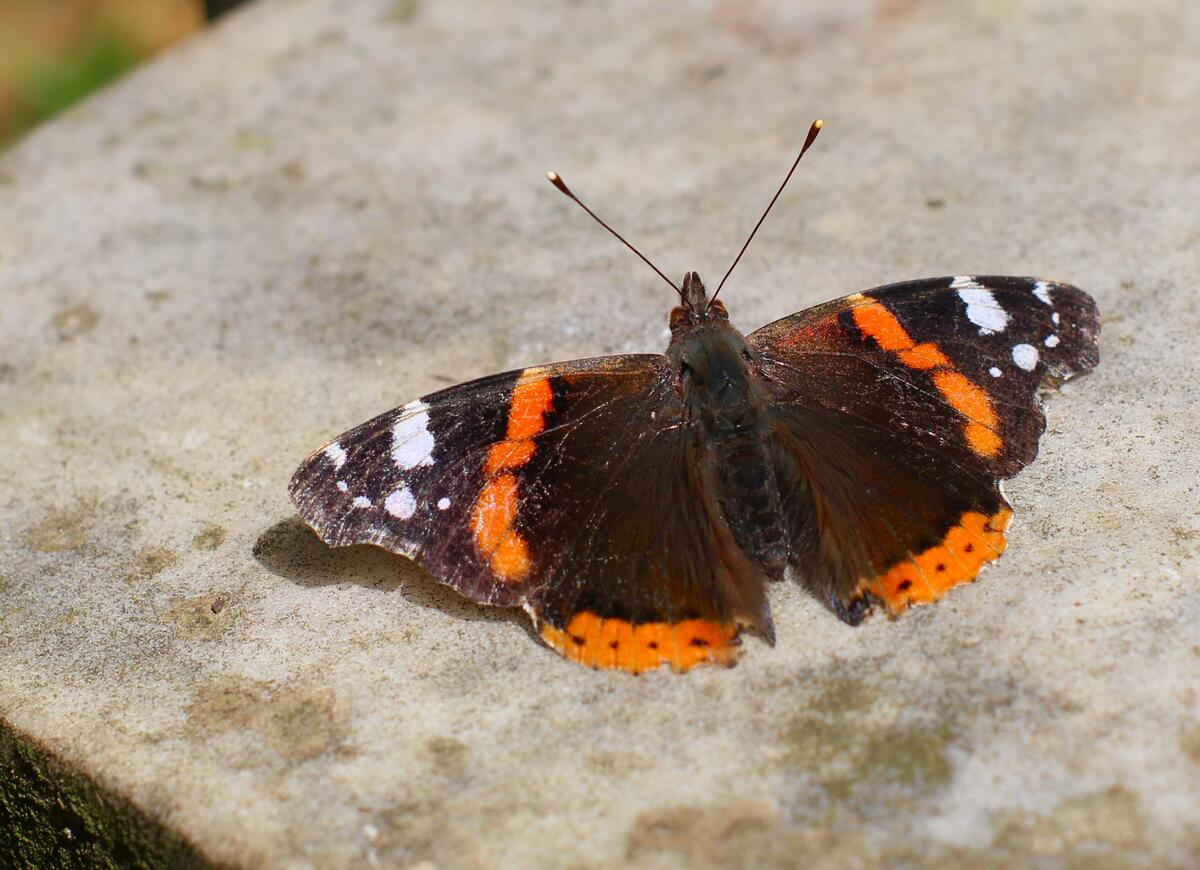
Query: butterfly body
[(637, 506)]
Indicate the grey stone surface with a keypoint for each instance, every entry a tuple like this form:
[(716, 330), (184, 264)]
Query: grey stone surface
[(319, 210)]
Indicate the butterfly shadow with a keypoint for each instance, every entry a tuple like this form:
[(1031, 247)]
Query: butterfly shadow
[(289, 549)]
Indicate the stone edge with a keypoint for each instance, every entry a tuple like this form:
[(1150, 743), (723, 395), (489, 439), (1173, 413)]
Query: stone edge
[(53, 815)]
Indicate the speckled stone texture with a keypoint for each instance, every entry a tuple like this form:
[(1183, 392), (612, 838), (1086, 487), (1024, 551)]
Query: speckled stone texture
[(319, 210)]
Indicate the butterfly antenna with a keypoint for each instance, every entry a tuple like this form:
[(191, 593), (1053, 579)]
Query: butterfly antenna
[(812, 135), (557, 181)]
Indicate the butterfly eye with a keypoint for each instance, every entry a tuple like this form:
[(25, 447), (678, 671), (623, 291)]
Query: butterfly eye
[(746, 356)]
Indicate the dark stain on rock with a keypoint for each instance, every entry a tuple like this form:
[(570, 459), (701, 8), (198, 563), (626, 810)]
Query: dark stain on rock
[(330, 36), (209, 538), (1190, 744), (912, 755), (414, 832), (448, 762), (446, 750), (226, 704), (934, 203), (400, 12), (74, 321), (60, 530), (198, 617), (150, 562), (297, 723), (1106, 822), (737, 834), (252, 139), (857, 759)]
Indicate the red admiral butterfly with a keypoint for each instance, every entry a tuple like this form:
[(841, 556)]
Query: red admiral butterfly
[(636, 505)]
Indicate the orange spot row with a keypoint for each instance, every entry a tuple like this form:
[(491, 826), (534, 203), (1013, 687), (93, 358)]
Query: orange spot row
[(959, 391), (962, 553), (615, 643), (495, 510)]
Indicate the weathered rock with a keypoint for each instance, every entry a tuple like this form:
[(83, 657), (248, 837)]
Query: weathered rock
[(319, 210)]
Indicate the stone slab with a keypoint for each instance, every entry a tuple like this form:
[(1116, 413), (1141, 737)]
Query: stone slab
[(319, 210)]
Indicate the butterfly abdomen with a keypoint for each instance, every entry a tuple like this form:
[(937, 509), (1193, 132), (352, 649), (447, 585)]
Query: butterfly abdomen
[(750, 502)]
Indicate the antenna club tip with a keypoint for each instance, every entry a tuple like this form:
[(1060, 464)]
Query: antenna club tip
[(551, 175), (818, 124)]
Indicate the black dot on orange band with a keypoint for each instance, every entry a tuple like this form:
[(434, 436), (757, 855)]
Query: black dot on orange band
[(904, 585)]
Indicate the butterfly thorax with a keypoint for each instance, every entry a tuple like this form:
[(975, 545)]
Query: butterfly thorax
[(726, 404)]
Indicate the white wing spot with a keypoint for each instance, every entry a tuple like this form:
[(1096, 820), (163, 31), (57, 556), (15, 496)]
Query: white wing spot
[(412, 442), (343, 486), (994, 372), (401, 503), (1025, 356), (1051, 341), (443, 503), (361, 501), (1042, 292), (337, 454), (1054, 318), (982, 308)]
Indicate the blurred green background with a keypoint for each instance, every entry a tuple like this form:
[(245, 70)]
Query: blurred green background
[(54, 52)]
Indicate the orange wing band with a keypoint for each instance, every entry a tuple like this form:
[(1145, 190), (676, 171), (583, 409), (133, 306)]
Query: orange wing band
[(495, 510), (977, 540), (617, 644), (960, 392)]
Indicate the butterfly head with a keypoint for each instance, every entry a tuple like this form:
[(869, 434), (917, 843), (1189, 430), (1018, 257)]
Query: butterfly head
[(715, 368), (696, 309)]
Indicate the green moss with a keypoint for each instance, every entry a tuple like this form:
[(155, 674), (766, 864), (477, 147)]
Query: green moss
[(46, 84), (913, 756), (52, 816), (853, 758)]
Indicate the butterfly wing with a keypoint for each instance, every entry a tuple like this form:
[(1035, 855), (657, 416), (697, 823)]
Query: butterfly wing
[(898, 411), (573, 490)]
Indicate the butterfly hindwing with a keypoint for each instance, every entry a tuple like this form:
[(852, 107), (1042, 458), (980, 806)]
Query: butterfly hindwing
[(898, 411), (639, 568)]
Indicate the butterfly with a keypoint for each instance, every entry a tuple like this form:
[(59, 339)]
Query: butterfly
[(637, 506)]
